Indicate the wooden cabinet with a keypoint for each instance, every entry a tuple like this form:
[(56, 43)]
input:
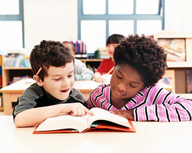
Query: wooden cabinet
[(178, 47), (9, 73)]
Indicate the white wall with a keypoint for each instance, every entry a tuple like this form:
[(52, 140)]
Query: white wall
[(57, 19), (178, 15), (49, 20)]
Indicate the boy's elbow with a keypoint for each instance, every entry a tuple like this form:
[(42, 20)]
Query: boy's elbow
[(18, 122)]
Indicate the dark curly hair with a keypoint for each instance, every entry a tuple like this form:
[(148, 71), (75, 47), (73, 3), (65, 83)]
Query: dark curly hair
[(48, 53), (144, 55)]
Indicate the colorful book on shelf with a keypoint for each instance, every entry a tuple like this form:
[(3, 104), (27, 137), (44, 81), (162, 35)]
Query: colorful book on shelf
[(80, 49), (101, 120)]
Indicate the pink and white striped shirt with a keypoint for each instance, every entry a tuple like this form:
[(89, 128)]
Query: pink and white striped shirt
[(151, 104)]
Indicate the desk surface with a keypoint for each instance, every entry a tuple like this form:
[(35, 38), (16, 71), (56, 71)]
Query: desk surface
[(80, 85), (151, 137), (25, 83)]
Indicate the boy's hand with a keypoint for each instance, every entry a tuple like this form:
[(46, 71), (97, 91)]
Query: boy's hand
[(124, 113), (76, 109), (100, 79)]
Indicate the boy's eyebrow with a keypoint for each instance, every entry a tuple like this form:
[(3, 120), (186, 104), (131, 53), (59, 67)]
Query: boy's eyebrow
[(71, 71)]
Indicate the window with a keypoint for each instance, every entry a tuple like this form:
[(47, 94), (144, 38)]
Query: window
[(11, 24), (97, 19)]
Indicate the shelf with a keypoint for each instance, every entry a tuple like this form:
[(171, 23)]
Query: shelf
[(90, 60), (166, 34), (17, 68), (179, 65)]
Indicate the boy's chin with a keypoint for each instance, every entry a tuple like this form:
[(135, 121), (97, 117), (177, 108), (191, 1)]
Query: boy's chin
[(63, 98)]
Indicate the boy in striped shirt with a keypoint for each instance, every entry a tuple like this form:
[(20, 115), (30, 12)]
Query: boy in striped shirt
[(132, 93)]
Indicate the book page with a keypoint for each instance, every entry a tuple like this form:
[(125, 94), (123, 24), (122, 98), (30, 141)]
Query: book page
[(101, 114), (78, 123)]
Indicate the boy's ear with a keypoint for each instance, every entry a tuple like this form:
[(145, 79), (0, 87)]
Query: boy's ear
[(38, 80)]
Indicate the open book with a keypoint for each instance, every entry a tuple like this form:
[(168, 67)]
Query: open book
[(101, 119)]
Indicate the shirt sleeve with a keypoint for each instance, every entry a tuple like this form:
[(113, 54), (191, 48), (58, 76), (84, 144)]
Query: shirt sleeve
[(105, 66), (164, 106), (78, 96), (27, 99), (100, 68), (81, 71), (95, 97), (100, 97)]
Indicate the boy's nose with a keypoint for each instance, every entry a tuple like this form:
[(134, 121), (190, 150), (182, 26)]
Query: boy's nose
[(122, 87), (66, 82)]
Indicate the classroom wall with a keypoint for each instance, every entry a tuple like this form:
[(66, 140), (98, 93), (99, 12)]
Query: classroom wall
[(57, 19), (178, 15), (49, 20)]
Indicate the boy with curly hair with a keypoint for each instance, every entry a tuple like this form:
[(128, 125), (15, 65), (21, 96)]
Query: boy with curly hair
[(139, 64), (53, 93)]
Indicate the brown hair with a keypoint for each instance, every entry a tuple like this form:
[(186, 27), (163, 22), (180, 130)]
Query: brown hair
[(48, 53)]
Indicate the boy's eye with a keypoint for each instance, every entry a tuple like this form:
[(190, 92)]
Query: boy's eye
[(57, 79), (118, 76), (132, 86), (71, 75)]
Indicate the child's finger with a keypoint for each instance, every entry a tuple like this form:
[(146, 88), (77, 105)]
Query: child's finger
[(89, 112)]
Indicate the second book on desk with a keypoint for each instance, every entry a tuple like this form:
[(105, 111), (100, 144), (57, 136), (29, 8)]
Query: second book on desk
[(101, 119)]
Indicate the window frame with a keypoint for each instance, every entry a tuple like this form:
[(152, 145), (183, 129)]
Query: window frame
[(107, 17), (16, 17)]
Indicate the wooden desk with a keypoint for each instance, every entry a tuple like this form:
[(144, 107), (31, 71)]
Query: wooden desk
[(11, 92), (150, 137)]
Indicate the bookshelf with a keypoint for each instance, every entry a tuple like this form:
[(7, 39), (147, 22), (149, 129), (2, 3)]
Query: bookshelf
[(181, 43)]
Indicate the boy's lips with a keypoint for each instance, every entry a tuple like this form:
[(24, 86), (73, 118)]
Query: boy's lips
[(65, 90)]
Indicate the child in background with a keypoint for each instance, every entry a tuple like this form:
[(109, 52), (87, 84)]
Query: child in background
[(81, 72), (53, 93), (132, 93), (107, 64)]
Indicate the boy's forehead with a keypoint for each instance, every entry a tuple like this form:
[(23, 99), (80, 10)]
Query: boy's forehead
[(129, 72), (61, 70)]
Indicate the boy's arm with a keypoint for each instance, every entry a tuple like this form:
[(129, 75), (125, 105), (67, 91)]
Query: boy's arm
[(83, 73), (173, 109), (125, 113), (179, 109), (34, 116)]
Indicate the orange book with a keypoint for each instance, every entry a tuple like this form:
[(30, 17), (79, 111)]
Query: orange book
[(101, 120)]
